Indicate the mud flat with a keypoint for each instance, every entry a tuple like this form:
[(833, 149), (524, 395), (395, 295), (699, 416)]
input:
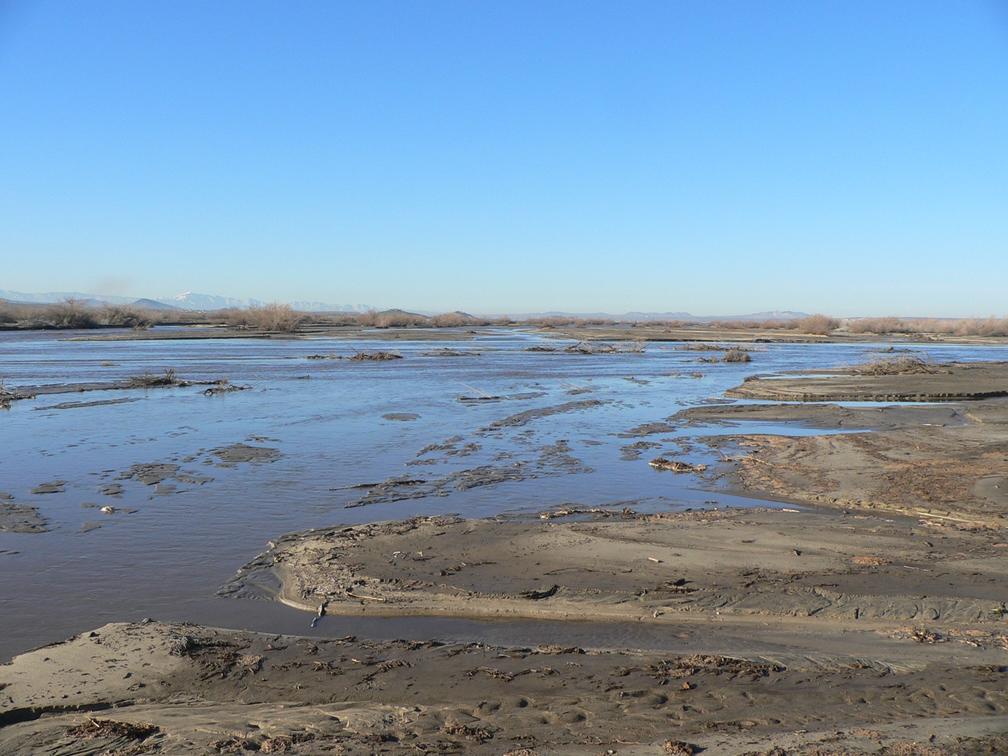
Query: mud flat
[(951, 382), (21, 518), (736, 565), (945, 463), (185, 689)]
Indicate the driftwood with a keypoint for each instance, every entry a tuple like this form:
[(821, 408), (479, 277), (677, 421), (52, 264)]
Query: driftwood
[(540, 595)]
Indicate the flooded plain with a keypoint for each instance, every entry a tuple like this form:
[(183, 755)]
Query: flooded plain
[(151, 499)]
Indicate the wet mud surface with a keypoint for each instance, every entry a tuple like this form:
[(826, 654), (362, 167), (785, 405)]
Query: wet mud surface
[(942, 383), (204, 690), (21, 518)]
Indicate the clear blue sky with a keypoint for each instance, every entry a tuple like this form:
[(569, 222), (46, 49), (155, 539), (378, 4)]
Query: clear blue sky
[(718, 157)]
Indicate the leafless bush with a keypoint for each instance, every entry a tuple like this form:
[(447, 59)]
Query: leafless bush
[(821, 325), (11, 313), (399, 319), (879, 326), (552, 321), (979, 327), (755, 325), (279, 318), (984, 327), (457, 320), (668, 324), (126, 317), (68, 314)]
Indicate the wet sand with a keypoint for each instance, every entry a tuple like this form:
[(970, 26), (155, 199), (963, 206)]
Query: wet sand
[(951, 382), (202, 690), (806, 568), (872, 620), (946, 463)]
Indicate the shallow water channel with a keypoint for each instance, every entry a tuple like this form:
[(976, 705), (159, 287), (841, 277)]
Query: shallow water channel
[(167, 547)]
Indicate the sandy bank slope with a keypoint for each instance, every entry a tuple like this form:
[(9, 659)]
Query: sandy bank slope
[(946, 464), (803, 567), (952, 382), (187, 689)]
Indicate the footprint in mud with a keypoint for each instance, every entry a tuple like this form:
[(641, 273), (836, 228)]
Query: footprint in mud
[(572, 716)]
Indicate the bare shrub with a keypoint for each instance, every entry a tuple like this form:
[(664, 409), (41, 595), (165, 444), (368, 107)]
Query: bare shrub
[(736, 355), (281, 318), (981, 327), (821, 325), (68, 314), (668, 324), (126, 317), (777, 324), (879, 326), (399, 319), (11, 313), (457, 320), (552, 321)]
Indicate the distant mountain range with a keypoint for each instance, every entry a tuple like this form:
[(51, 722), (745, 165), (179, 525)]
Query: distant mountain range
[(192, 301), (186, 301), (768, 315)]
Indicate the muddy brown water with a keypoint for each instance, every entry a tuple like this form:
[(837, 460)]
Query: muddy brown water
[(167, 546)]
